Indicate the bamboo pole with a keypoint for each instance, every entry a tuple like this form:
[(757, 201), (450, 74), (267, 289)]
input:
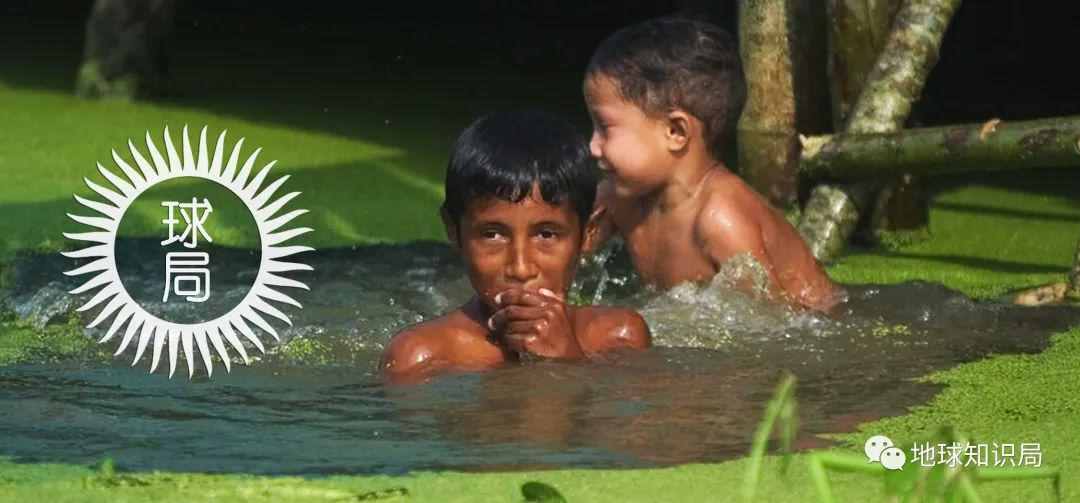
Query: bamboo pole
[(993, 145), (767, 146), (892, 87)]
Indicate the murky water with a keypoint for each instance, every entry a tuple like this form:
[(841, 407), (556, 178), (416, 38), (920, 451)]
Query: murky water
[(696, 397)]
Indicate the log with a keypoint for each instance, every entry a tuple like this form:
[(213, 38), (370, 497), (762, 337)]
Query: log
[(993, 145), (897, 80), (893, 86)]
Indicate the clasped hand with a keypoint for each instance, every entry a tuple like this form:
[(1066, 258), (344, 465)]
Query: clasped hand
[(536, 323)]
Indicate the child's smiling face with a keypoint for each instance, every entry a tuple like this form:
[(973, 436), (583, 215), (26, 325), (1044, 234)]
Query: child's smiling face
[(530, 244), (628, 143)]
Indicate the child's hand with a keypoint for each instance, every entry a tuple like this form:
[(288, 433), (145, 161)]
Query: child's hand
[(535, 322)]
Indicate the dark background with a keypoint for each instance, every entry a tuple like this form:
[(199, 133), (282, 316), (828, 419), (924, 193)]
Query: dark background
[(1007, 59)]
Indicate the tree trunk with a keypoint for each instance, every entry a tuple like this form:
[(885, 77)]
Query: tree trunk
[(857, 31), (783, 49), (768, 146), (993, 145), (892, 87), (126, 49)]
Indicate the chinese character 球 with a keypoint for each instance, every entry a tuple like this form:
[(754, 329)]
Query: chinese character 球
[(194, 215)]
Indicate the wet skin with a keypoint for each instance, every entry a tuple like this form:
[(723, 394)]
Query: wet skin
[(681, 213), (521, 258)]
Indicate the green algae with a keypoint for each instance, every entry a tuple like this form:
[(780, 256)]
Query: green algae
[(988, 236), (306, 351), (899, 239), (897, 330), (21, 342)]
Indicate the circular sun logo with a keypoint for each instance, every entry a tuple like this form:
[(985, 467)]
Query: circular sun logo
[(227, 329)]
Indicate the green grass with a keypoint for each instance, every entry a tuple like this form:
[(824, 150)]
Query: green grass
[(370, 171)]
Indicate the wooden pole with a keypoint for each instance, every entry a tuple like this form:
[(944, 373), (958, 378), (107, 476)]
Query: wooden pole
[(767, 145), (894, 84)]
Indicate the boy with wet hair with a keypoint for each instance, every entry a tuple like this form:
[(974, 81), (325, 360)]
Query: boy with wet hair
[(663, 96), (520, 191)]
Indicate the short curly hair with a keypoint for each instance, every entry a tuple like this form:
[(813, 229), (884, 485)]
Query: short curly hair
[(663, 64)]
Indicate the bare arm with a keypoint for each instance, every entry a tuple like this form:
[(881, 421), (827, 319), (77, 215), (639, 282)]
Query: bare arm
[(614, 328), (601, 223), (632, 333), (724, 233), (411, 357)]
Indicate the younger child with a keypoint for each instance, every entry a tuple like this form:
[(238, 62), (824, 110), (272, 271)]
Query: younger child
[(520, 189), (663, 95)]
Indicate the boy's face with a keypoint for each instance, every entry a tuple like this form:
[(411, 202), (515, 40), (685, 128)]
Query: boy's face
[(528, 245), (629, 144)]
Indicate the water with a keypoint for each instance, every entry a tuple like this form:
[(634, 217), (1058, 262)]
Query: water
[(696, 397)]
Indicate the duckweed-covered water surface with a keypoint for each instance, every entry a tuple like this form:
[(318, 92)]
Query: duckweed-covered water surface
[(314, 403)]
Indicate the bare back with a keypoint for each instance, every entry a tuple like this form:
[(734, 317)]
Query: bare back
[(723, 219), (661, 245)]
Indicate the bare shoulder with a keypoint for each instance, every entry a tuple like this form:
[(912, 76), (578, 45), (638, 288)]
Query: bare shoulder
[(731, 211), (415, 346), (426, 347), (734, 208), (607, 328)]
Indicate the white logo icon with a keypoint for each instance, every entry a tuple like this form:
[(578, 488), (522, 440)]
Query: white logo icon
[(186, 272), (879, 448), (893, 458), (874, 445)]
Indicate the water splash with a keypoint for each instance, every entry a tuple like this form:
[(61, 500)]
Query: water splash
[(594, 269), (721, 313)]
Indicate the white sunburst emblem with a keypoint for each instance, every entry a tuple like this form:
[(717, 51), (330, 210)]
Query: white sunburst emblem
[(222, 330)]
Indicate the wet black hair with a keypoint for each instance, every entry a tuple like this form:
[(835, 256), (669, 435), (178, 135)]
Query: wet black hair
[(667, 63), (504, 154)]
